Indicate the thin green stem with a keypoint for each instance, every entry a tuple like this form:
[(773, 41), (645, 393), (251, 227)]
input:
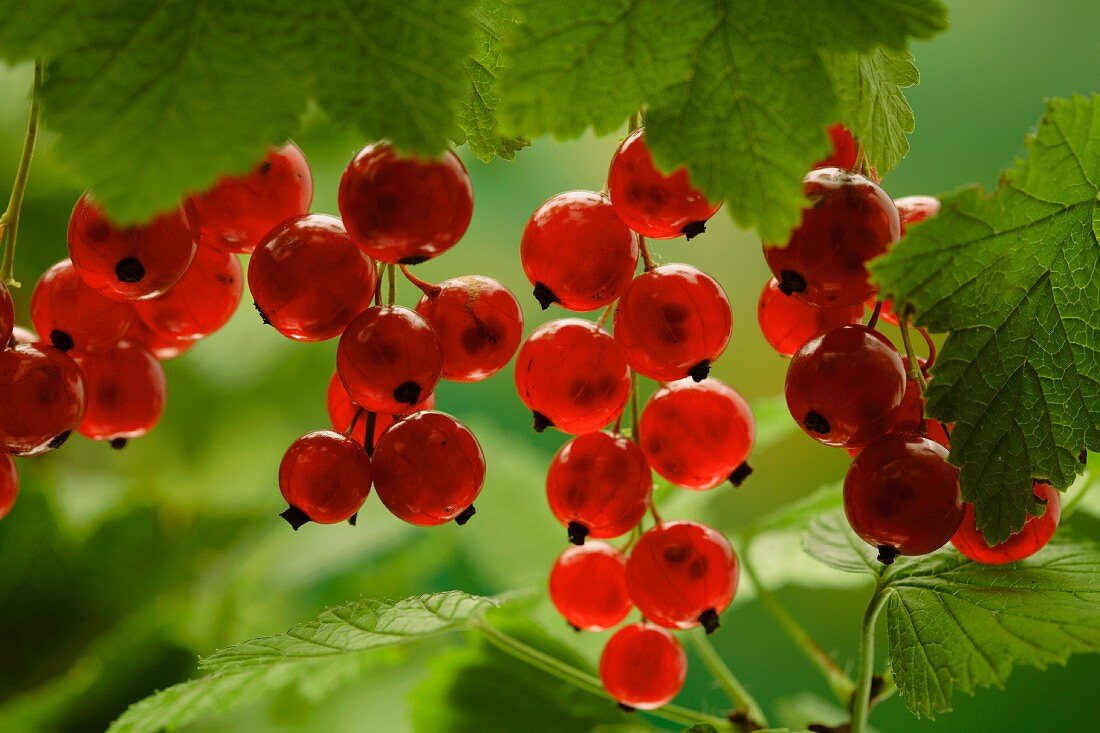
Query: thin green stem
[(839, 682), (604, 316), (584, 681), (9, 220), (861, 701), (391, 274), (873, 320), (634, 413), (740, 698), (915, 372), (647, 258), (378, 290)]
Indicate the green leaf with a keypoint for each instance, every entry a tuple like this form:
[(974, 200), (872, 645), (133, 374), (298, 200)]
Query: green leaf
[(830, 540), (1012, 277)]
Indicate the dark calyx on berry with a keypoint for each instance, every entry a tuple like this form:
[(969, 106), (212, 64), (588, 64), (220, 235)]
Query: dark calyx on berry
[(118, 443), (59, 439), (407, 392), (295, 517), (694, 229), (130, 270), (815, 422), (886, 554), (700, 371), (545, 296), (791, 282), (414, 260), (353, 519), (61, 340), (625, 708), (577, 533), (709, 620), (541, 422), (464, 517), (740, 473), (263, 316), (573, 626)]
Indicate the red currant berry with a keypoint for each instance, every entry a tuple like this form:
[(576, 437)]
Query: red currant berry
[(915, 209), (598, 485), (238, 211), (389, 359), (20, 335), (428, 469), (902, 496), (9, 489), (126, 390), (643, 666), (1034, 535), (158, 344), (573, 376), (698, 435), (577, 252), (850, 222), (588, 586), (325, 478), (682, 574), (845, 150), (41, 398), (651, 203), (787, 323), (845, 386), (202, 301), (7, 315), (402, 209), (308, 280), (342, 412), (479, 324), (673, 322), (72, 315), (136, 262)]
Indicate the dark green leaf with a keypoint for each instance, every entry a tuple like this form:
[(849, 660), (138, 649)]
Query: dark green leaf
[(833, 542)]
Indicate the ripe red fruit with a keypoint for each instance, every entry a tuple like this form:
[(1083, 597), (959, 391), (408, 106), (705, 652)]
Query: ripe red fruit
[(673, 322), (572, 375), (902, 496), (20, 335), (238, 211), (844, 387), (787, 322), (341, 412), (478, 322), (308, 280), (698, 435), (134, 262), (162, 346), (588, 586), (126, 391), (389, 359), (577, 252), (648, 201), (7, 315), (643, 666), (428, 469), (850, 222), (598, 485), (682, 574), (324, 477), (845, 150), (1034, 535), (70, 315), (915, 209), (402, 209), (202, 301), (41, 398), (9, 486)]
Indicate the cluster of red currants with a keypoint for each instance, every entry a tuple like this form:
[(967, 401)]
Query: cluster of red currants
[(847, 385), (580, 250)]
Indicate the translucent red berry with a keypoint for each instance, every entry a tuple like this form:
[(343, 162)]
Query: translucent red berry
[(160, 345), (682, 574), (787, 322), (325, 478), (41, 398), (577, 252), (845, 151), (70, 315), (126, 391), (405, 209), (651, 203), (588, 586), (915, 209), (572, 375), (850, 221), (902, 496), (598, 485), (9, 486), (389, 359), (643, 666), (698, 435), (133, 262), (1034, 535), (238, 211), (429, 469), (309, 280), (673, 322), (479, 324), (845, 386), (7, 315), (203, 300), (342, 412)]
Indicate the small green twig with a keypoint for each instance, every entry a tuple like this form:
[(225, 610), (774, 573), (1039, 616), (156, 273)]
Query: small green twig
[(391, 275), (915, 372), (735, 691), (647, 258), (873, 320), (9, 220), (861, 701)]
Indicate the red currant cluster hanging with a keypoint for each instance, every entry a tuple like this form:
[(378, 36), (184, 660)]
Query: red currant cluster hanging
[(847, 386)]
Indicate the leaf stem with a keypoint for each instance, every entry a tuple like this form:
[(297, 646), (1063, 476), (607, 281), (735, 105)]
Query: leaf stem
[(426, 287), (735, 691), (861, 701), (915, 372), (9, 220)]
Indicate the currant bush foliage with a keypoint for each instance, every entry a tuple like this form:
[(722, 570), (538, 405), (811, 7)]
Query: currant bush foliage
[(1012, 277)]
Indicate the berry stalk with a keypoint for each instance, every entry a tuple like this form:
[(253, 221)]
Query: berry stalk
[(915, 372), (9, 220), (861, 701), (748, 711)]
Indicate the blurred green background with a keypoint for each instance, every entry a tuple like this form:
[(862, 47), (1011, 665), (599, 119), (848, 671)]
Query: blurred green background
[(118, 568)]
